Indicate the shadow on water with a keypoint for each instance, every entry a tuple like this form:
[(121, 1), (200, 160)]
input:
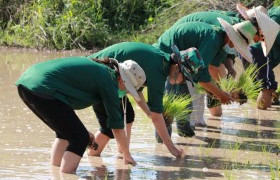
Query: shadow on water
[(188, 167), (257, 146), (158, 167), (259, 134), (273, 123)]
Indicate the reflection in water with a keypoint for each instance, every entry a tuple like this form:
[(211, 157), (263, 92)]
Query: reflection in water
[(242, 144)]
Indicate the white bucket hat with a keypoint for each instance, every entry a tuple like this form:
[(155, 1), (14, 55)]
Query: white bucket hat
[(247, 29), (249, 13), (269, 28), (132, 75)]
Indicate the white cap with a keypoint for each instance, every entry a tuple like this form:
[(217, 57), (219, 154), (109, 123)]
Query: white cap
[(133, 77)]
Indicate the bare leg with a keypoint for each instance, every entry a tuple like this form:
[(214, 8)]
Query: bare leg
[(70, 162), (101, 139), (264, 99), (58, 149), (216, 111)]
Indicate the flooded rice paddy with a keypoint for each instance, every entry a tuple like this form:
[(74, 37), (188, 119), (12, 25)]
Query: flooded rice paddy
[(243, 144)]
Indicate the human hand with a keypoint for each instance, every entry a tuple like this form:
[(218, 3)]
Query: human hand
[(231, 72), (128, 159), (92, 143), (225, 98), (178, 153)]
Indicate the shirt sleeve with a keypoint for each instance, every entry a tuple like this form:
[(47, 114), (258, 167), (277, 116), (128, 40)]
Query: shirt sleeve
[(208, 49), (155, 87)]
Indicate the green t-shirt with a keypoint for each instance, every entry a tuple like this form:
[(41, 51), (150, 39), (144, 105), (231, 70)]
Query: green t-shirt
[(210, 17), (154, 62), (78, 82), (208, 39), (228, 13)]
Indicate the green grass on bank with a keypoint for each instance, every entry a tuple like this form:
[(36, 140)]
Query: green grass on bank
[(72, 24)]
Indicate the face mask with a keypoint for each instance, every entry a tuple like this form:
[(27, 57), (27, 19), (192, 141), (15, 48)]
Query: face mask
[(121, 93), (229, 49)]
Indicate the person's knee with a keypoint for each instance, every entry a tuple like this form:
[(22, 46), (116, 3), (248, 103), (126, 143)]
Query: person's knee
[(107, 132), (78, 143)]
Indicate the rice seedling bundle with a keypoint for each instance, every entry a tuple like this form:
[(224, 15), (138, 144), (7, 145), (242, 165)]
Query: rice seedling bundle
[(246, 87), (175, 106)]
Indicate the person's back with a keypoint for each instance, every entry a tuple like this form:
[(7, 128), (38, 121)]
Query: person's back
[(207, 17), (154, 62), (208, 39), (74, 80)]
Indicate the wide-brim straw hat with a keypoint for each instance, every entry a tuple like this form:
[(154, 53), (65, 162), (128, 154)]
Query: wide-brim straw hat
[(239, 43), (133, 77), (270, 30), (247, 13), (269, 27)]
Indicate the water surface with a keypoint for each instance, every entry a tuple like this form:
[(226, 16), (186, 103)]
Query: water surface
[(242, 144)]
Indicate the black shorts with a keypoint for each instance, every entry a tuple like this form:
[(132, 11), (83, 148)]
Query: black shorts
[(101, 115), (60, 117)]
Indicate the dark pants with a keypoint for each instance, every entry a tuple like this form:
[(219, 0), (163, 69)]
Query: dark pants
[(60, 117), (265, 68), (102, 117)]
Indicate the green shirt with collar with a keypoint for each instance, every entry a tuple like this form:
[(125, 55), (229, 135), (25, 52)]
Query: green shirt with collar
[(154, 62), (207, 38), (78, 82)]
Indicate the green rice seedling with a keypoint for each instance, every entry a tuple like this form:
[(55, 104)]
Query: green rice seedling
[(246, 87), (274, 170), (175, 106), (228, 84), (278, 90), (248, 83)]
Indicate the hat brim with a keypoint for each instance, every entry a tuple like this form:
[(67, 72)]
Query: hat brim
[(239, 43), (242, 10), (129, 85), (269, 28)]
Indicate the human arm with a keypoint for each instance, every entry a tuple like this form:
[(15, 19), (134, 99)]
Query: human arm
[(159, 123), (215, 72), (143, 105), (230, 67), (223, 96), (121, 139)]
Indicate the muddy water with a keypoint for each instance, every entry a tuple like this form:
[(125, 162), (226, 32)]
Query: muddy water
[(242, 144)]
